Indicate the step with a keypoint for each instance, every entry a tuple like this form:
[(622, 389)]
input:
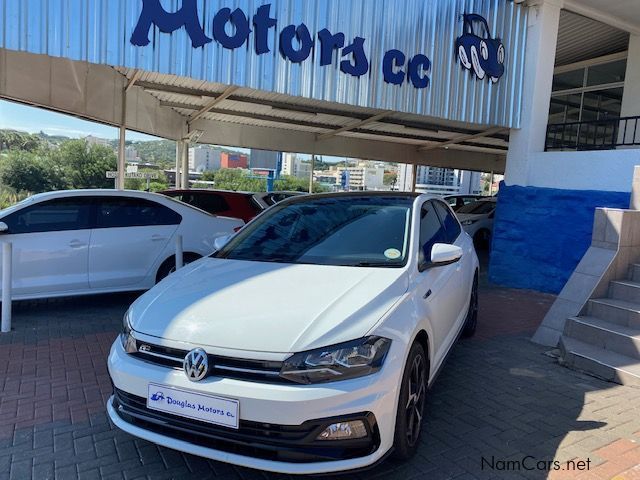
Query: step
[(615, 311), (603, 334), (625, 290), (598, 362), (635, 272)]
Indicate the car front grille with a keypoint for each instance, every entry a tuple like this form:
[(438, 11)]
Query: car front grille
[(226, 367), (287, 443)]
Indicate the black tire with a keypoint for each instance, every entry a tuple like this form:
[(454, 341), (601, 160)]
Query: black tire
[(471, 322), (169, 265), (482, 239), (413, 392)]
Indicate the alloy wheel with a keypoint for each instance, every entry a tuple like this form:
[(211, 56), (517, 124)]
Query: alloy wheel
[(415, 402)]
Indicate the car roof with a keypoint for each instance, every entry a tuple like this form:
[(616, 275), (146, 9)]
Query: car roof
[(206, 191), (96, 192)]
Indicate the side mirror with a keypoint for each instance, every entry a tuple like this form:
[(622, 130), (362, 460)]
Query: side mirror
[(220, 242), (445, 254), (4, 228), (441, 254)]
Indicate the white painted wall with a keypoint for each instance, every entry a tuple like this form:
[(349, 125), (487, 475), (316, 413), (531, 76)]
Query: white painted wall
[(542, 36), (609, 170), (631, 95)]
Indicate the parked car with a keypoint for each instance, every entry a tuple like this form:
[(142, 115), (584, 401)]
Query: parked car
[(477, 220), (307, 343), (243, 205), (81, 242), (456, 202), (271, 198)]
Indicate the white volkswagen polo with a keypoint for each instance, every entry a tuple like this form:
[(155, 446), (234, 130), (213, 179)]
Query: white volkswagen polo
[(307, 343)]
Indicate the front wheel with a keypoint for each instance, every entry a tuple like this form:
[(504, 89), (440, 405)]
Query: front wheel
[(471, 322), (413, 392)]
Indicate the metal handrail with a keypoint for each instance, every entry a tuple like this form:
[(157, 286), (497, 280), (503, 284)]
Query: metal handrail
[(603, 134)]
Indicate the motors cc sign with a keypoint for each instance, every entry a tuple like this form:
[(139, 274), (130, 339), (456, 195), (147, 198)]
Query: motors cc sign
[(296, 42)]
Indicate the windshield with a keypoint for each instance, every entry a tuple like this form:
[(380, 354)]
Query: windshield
[(478, 208), (367, 231)]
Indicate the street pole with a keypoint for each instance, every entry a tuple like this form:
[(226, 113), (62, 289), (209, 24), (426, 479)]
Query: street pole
[(313, 165), (491, 184), (414, 174), (6, 286), (178, 162), (122, 166), (185, 165)]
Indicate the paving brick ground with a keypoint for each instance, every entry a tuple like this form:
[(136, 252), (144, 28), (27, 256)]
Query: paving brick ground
[(501, 405)]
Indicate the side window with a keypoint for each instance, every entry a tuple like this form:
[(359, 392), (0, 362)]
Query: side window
[(431, 230), (114, 212), (451, 225), (211, 203), (51, 216)]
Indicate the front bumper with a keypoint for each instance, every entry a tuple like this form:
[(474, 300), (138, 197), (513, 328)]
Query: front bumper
[(278, 423)]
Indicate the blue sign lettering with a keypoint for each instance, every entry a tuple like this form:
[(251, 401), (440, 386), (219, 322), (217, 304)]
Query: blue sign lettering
[(240, 22), (186, 16), (484, 56)]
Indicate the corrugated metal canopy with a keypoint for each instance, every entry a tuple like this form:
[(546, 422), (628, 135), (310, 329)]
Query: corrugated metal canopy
[(251, 107), (581, 38)]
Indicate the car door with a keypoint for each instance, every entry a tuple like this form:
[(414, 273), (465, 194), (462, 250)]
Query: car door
[(437, 285), (130, 234), (50, 246), (462, 275)]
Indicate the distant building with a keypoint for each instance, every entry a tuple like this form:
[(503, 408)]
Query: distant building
[(131, 154), (294, 166), (470, 182), (364, 176), (204, 158), (264, 160), (91, 140), (439, 181), (233, 160)]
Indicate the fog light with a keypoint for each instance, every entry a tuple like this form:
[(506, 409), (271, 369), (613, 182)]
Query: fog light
[(344, 431)]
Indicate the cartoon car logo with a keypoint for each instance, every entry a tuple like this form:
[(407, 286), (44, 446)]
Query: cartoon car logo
[(156, 397), (481, 54)]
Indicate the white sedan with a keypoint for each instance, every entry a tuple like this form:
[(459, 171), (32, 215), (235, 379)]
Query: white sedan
[(81, 242), (305, 344)]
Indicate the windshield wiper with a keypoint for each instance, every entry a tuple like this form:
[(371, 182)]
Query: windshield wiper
[(370, 264)]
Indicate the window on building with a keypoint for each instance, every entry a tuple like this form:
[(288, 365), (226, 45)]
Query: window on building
[(591, 93)]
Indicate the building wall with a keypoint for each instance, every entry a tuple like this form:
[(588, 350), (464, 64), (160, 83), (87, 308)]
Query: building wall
[(233, 160), (204, 158), (542, 234), (546, 205)]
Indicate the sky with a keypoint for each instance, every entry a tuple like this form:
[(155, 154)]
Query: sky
[(16, 116)]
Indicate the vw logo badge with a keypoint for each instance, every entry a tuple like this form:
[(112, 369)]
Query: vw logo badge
[(196, 364)]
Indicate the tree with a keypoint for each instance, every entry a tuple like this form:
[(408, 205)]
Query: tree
[(85, 165), (30, 172), (390, 178)]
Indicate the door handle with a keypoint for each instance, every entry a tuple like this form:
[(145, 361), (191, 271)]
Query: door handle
[(77, 244), (158, 238)]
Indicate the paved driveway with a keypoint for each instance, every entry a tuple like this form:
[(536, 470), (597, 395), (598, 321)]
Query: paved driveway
[(500, 406)]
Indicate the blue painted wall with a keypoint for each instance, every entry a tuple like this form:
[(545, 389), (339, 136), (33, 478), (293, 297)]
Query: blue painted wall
[(540, 234)]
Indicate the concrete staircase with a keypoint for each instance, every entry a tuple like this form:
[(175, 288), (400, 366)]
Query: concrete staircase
[(604, 340)]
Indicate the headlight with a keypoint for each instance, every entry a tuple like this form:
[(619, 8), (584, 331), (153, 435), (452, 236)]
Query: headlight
[(352, 359), (466, 223), (126, 337)]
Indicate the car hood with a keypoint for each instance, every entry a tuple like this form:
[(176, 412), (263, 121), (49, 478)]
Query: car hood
[(267, 307)]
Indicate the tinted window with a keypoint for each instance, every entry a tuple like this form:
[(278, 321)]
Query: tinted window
[(349, 231), (51, 216), (431, 230), (209, 202), (479, 208), (451, 225), (132, 212)]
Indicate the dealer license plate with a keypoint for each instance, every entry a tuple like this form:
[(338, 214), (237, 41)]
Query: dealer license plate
[(198, 406)]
